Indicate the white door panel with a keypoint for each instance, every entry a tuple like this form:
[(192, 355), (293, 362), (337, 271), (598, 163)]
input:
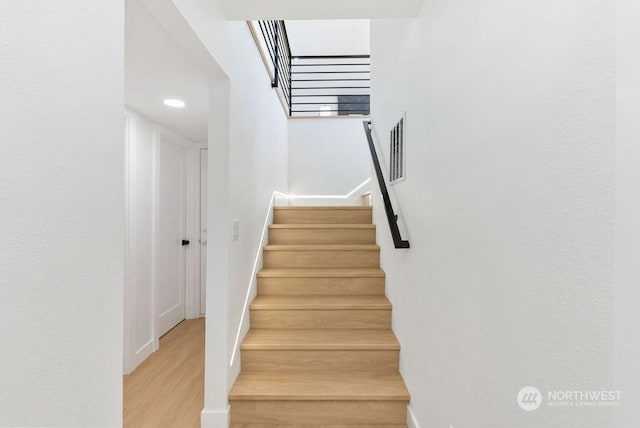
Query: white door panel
[(171, 231)]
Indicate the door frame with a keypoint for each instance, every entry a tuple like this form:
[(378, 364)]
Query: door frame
[(133, 354), (192, 223), (200, 301)]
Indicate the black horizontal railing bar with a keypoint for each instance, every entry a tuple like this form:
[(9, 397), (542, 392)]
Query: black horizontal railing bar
[(360, 112), (330, 87), (332, 72), (326, 95), (329, 56), (327, 103), (331, 80), (306, 66), (392, 218), (315, 75), (359, 64)]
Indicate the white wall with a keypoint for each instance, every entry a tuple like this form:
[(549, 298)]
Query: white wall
[(329, 37), (158, 66), (327, 156), (258, 164), (627, 293), (327, 9), (508, 203), (248, 149), (143, 174), (139, 337), (62, 215)]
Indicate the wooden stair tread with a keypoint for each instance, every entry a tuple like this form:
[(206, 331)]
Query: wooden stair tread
[(267, 339), (321, 273), (250, 425), (336, 386), (321, 302), (322, 247), (310, 208), (320, 351), (321, 226)]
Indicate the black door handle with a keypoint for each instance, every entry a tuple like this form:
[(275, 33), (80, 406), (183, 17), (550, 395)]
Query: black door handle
[(185, 242)]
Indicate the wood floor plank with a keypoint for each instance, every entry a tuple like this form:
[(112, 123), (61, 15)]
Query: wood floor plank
[(167, 389)]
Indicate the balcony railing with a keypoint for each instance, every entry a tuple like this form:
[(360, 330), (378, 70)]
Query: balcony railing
[(330, 85), (308, 86)]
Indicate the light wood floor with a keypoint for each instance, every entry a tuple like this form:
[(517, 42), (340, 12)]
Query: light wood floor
[(167, 390)]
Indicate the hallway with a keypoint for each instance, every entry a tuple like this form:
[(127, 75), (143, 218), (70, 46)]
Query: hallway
[(167, 390)]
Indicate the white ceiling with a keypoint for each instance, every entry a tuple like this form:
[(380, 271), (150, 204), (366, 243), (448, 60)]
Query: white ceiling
[(329, 37), (320, 9), (155, 69)]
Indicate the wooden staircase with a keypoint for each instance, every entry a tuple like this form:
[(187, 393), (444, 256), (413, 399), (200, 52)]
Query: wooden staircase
[(320, 351)]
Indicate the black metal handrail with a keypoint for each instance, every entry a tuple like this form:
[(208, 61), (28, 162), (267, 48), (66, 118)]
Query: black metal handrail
[(392, 218)]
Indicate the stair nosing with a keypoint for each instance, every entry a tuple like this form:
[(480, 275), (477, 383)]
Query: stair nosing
[(298, 302), (364, 226), (321, 273), (311, 208), (322, 247), (256, 341), (283, 392)]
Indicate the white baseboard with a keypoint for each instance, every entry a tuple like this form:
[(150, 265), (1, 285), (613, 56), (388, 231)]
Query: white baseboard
[(412, 422), (140, 355), (214, 418)]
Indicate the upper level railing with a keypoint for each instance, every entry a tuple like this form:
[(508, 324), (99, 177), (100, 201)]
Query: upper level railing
[(392, 218), (324, 85), (273, 42), (330, 85)]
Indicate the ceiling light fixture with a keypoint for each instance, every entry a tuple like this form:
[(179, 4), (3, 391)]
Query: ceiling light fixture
[(170, 102)]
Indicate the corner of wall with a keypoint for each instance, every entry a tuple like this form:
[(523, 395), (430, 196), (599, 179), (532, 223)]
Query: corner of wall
[(412, 421), (214, 418)]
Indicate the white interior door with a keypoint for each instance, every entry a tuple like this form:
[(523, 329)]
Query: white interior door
[(204, 162), (171, 231)]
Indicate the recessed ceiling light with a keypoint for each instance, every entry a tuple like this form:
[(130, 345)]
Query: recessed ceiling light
[(170, 102)]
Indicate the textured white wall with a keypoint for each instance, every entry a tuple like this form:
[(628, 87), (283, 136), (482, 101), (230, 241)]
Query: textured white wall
[(248, 148), (207, 19), (627, 295), (139, 292), (327, 9), (327, 156), (62, 213), (508, 202), (258, 162), (329, 37)]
